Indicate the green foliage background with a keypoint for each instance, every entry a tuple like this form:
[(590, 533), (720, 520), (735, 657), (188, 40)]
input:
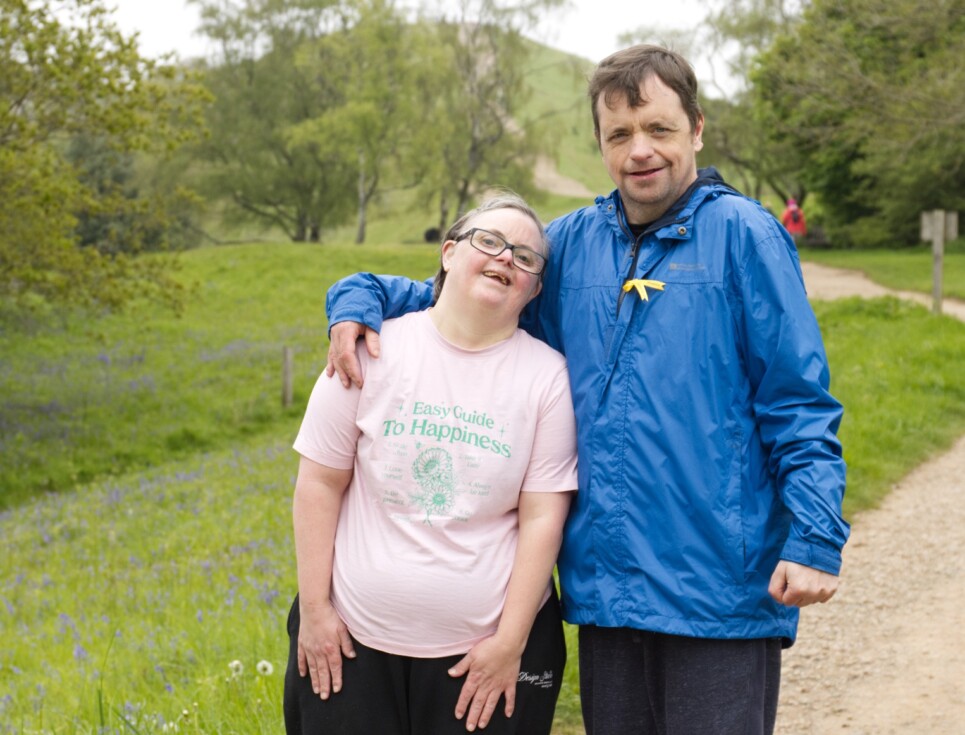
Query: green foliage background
[(868, 96)]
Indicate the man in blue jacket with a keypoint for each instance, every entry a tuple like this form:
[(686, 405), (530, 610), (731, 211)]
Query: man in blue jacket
[(711, 478)]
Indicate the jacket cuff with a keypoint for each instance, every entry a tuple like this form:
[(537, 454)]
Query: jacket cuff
[(372, 318), (810, 554)]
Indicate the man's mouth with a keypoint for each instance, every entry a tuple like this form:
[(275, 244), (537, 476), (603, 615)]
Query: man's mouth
[(645, 173)]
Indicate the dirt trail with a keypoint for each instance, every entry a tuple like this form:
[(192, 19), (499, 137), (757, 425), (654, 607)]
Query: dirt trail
[(887, 654), (835, 283), (548, 178)]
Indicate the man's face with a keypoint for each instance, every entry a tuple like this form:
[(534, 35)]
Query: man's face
[(650, 151)]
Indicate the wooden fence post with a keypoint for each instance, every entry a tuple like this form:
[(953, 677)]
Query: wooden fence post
[(286, 376)]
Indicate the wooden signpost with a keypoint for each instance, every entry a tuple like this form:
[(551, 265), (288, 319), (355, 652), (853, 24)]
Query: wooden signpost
[(287, 361), (938, 226)]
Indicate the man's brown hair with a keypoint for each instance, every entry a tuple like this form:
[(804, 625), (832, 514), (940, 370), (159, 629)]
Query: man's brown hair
[(625, 71)]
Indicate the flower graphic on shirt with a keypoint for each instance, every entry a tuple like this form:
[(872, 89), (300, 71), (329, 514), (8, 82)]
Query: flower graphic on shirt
[(432, 469)]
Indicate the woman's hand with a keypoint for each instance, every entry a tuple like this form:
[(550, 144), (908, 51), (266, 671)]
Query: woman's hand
[(322, 641), (493, 670)]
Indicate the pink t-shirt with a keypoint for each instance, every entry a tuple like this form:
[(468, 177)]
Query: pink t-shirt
[(442, 441)]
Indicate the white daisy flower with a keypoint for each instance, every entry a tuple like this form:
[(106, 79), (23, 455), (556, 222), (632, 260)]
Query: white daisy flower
[(265, 668)]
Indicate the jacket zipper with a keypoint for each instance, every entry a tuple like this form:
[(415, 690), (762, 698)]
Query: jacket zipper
[(634, 257)]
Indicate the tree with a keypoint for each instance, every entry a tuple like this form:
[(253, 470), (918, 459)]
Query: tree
[(377, 68), (480, 135), (136, 205), (739, 32), (65, 74), (258, 155), (323, 104), (872, 94)]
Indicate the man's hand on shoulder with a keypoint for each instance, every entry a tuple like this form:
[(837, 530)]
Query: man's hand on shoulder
[(796, 585), (342, 357)]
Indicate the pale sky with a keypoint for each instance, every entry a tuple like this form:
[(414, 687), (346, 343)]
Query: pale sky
[(588, 29)]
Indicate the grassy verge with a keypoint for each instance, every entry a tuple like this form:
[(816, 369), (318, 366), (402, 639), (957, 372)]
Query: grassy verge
[(897, 370), (85, 399), (124, 602), (903, 270)]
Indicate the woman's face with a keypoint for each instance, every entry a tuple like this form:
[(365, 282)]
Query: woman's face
[(493, 281)]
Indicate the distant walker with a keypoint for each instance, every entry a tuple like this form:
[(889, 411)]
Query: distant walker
[(793, 220)]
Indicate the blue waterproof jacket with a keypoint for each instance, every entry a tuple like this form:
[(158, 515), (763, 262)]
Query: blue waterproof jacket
[(706, 432)]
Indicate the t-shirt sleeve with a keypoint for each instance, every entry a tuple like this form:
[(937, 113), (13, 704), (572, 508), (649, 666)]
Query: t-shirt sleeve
[(552, 465), (329, 432)]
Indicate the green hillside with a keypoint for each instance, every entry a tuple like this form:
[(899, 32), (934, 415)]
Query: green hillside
[(93, 397)]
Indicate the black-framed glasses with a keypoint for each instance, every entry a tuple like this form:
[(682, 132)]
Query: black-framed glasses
[(524, 258)]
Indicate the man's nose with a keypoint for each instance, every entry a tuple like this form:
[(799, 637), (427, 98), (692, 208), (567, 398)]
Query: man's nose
[(641, 146)]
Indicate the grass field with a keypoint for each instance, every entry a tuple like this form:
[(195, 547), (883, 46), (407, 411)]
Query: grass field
[(148, 591), (93, 397)]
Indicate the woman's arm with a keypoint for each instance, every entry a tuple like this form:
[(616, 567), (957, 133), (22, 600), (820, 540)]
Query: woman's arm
[(322, 636), (493, 664)]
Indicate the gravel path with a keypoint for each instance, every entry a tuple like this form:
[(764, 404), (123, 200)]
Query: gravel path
[(887, 654)]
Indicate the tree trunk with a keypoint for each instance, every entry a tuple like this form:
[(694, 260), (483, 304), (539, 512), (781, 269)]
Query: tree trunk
[(363, 201), (462, 204), (443, 213)]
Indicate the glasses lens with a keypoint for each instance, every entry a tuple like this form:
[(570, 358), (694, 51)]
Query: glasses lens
[(488, 242), (528, 260), (524, 258)]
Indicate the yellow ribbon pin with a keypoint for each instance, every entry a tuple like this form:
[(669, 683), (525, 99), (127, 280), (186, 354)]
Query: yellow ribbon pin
[(641, 285)]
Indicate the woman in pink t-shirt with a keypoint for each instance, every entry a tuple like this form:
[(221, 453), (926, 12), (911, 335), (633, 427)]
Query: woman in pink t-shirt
[(429, 508)]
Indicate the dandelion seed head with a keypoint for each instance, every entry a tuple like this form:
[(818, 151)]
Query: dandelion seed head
[(265, 668), (236, 667)]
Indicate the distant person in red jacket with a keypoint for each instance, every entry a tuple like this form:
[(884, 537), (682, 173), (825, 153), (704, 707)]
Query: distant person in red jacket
[(793, 220)]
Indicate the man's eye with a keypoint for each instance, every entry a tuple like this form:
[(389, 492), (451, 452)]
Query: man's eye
[(490, 242), (525, 257)]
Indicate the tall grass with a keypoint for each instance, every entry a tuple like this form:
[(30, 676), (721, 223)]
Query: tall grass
[(123, 604), (88, 398)]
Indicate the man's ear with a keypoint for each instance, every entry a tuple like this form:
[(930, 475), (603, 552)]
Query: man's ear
[(698, 134)]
